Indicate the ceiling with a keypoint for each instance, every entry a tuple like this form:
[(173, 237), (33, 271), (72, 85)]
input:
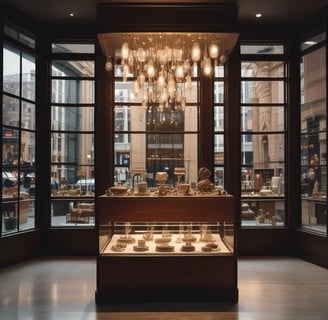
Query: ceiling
[(273, 11)]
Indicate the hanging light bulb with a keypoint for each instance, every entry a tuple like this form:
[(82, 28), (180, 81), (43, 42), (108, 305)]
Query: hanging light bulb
[(161, 81), (125, 72), (141, 55), (188, 83), (164, 66), (207, 67), (186, 66), (125, 51), (223, 58), (109, 65), (179, 73), (195, 52), (213, 51), (141, 79), (151, 69)]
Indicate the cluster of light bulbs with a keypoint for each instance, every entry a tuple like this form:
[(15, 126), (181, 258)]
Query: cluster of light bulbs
[(164, 73)]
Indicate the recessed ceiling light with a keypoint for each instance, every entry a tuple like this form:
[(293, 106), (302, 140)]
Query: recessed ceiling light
[(310, 42), (258, 15), (71, 14)]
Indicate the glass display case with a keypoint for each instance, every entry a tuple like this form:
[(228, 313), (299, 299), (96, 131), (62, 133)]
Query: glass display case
[(166, 238), (166, 248)]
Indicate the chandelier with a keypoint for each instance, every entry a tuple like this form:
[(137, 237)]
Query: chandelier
[(163, 66)]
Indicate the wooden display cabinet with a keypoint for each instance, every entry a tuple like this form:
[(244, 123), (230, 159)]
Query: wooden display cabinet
[(167, 277)]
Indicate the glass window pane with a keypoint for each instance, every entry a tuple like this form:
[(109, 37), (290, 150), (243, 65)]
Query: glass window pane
[(65, 177), (28, 77), (28, 116), (219, 71), (164, 152), (219, 176), (262, 49), (11, 71), (218, 91), (26, 208), (262, 119), (313, 84), (72, 91), (10, 146), (73, 68), (219, 149), (123, 115), (11, 32), (71, 147), (155, 152), (10, 213), (27, 147), (314, 215), (262, 91), (218, 119), (265, 69), (68, 212), (10, 111), (122, 92), (28, 41), (262, 150), (73, 48), (72, 118)]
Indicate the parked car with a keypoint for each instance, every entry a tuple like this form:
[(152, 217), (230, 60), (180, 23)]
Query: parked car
[(8, 179), (86, 185)]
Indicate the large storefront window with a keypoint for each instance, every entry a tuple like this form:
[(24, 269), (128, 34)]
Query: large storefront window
[(18, 135), (313, 124), (263, 135), (72, 135)]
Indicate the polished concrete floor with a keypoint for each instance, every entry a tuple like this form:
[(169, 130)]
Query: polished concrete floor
[(63, 289)]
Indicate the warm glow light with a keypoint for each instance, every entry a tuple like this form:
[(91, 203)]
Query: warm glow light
[(108, 65), (207, 67), (125, 50), (151, 70), (213, 51), (195, 52), (164, 65)]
